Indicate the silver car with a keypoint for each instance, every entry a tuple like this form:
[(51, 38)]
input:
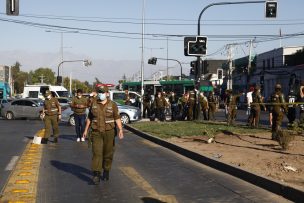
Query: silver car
[(127, 113), (22, 108)]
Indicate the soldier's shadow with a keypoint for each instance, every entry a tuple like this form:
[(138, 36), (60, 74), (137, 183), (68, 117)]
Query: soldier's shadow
[(76, 170)]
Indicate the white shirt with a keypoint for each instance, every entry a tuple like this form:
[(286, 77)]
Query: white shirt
[(249, 98)]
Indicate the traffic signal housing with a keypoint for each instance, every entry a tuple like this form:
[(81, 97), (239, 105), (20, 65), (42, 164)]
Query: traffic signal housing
[(219, 74), (12, 7), (198, 47), (152, 61), (271, 8)]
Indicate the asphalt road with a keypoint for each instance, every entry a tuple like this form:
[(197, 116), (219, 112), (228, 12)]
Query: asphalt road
[(142, 172), (14, 135)]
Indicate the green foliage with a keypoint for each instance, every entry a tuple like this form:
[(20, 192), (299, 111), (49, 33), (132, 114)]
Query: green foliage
[(19, 77), (297, 58), (76, 84), (45, 75)]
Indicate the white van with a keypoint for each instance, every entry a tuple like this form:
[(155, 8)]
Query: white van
[(38, 91)]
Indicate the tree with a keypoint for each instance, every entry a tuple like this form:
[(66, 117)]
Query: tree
[(19, 78), (297, 58), (43, 75)]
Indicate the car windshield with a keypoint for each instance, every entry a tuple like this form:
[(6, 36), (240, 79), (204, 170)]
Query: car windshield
[(63, 93)]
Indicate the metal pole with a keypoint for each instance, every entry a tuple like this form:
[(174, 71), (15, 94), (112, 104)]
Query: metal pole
[(181, 67), (61, 47), (142, 52), (167, 59)]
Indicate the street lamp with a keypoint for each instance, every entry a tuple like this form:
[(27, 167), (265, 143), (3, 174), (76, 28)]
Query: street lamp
[(86, 63), (153, 61)]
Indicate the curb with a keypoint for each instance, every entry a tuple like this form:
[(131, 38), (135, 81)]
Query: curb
[(273, 186)]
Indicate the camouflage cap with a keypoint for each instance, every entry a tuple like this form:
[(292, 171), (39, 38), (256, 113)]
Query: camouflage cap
[(47, 93), (102, 89)]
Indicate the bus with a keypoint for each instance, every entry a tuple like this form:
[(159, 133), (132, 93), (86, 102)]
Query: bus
[(177, 86), (5, 91)]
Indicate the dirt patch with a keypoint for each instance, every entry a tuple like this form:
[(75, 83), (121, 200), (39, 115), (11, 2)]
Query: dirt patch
[(255, 153)]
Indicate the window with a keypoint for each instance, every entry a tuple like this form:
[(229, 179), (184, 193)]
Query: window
[(272, 62), (62, 93), (119, 96), (33, 94), (17, 103), (1, 93), (268, 63), (28, 103)]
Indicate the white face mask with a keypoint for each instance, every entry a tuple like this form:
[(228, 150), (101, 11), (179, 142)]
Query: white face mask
[(79, 96), (49, 97), (102, 96)]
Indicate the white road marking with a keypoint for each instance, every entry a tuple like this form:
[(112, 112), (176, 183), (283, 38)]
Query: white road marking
[(12, 163)]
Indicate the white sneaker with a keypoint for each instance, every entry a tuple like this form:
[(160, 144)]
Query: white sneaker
[(78, 140), (82, 139)]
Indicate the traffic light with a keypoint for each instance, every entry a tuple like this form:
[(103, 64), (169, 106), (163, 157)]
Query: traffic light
[(87, 63), (152, 61), (271, 9), (12, 7), (186, 41), (219, 74), (198, 47), (59, 80)]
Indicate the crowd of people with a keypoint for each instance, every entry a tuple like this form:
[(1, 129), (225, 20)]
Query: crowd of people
[(195, 105)]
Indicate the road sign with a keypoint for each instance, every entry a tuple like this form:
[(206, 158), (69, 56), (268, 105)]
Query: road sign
[(271, 8), (197, 47)]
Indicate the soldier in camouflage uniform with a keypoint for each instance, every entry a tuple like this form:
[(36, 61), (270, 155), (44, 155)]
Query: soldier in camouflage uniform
[(192, 103), (278, 109)]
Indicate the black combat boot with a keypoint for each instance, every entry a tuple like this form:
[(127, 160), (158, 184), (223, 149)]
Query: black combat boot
[(96, 177), (55, 140), (105, 175), (44, 140)]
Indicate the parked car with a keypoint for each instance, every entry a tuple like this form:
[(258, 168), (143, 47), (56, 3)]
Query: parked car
[(64, 101), (22, 108), (127, 113)]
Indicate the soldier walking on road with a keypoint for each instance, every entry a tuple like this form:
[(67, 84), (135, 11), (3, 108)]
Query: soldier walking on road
[(103, 116), (79, 106), (52, 114), (212, 105), (255, 108), (278, 109)]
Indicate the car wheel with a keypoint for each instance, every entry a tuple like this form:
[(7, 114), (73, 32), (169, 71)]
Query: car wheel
[(124, 118), (72, 120), (9, 115)]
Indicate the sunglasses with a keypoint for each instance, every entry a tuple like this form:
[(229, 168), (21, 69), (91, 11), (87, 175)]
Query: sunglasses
[(101, 91)]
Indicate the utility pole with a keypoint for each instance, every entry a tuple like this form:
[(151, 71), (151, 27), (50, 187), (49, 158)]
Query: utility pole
[(167, 58), (249, 64), (41, 79), (230, 68)]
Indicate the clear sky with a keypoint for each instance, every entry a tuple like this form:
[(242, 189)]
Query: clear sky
[(110, 30)]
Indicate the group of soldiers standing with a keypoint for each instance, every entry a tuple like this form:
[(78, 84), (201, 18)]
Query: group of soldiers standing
[(189, 106)]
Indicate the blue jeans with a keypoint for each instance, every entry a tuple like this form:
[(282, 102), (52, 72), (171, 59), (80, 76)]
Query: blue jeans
[(79, 124)]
